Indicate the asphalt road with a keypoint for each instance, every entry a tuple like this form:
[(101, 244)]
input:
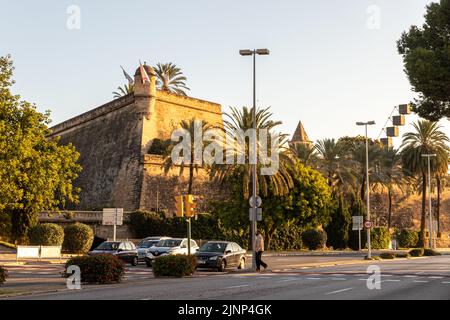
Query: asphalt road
[(423, 278)]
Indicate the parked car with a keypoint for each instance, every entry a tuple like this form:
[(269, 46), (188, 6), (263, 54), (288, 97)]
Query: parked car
[(144, 246), (169, 246), (124, 250), (220, 255)]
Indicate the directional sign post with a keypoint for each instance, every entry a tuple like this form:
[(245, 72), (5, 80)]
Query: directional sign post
[(252, 215), (358, 226), (113, 217)]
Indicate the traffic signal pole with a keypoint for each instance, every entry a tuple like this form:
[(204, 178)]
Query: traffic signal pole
[(189, 234)]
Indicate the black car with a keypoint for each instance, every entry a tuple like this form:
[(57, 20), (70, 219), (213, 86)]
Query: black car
[(124, 250), (220, 255)]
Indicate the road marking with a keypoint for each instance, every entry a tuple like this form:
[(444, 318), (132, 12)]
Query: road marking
[(447, 282), (313, 278), (338, 279), (410, 276), (392, 280), (235, 287), (420, 281), (435, 277), (338, 291), (147, 299), (338, 274), (288, 280)]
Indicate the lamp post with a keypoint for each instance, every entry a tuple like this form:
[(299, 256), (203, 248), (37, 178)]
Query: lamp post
[(430, 221), (253, 53), (366, 124)]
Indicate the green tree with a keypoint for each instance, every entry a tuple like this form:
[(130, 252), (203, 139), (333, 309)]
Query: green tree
[(170, 78), (36, 173), (338, 228), (426, 139), (304, 152), (426, 56), (123, 90)]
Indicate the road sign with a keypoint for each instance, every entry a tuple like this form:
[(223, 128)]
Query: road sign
[(112, 216), (251, 214), (368, 224), (252, 202), (357, 223)]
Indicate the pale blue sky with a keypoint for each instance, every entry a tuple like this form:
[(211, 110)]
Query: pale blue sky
[(326, 68)]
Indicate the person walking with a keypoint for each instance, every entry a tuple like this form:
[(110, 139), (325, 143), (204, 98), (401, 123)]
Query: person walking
[(259, 249)]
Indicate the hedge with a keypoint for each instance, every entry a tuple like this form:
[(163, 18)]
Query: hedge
[(407, 238), (418, 252), (380, 238), (431, 252), (3, 275), (101, 268), (387, 255), (46, 234), (78, 238), (314, 239), (174, 266)]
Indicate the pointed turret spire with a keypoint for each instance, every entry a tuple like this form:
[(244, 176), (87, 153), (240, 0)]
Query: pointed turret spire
[(300, 135)]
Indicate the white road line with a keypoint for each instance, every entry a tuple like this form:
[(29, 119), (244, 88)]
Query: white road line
[(420, 281), (235, 287), (313, 278), (392, 280), (288, 280), (338, 291), (435, 277), (409, 276), (338, 279), (447, 282)]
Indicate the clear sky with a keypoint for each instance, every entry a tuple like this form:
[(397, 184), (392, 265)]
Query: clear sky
[(332, 62)]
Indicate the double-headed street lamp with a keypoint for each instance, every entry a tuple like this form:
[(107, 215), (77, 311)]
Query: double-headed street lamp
[(253, 53), (430, 221), (366, 124)]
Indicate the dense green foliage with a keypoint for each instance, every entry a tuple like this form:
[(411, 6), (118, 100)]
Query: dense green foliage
[(430, 252), (338, 228), (46, 234), (314, 239), (387, 255), (426, 56), (78, 238), (418, 252), (174, 266), (380, 238), (102, 268), (3, 275), (407, 238), (35, 172), (159, 147)]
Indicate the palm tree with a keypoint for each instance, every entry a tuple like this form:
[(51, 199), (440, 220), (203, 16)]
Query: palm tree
[(427, 138), (123, 91), (170, 78), (335, 165), (388, 174), (191, 128), (306, 153), (240, 121)]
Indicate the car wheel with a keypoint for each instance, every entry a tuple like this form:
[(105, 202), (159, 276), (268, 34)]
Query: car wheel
[(241, 264), (134, 262), (223, 265)]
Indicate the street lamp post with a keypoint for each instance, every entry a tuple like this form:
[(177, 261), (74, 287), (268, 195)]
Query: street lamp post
[(366, 124), (430, 221), (253, 53)]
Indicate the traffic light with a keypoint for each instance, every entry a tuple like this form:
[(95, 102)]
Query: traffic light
[(191, 206), (179, 205)]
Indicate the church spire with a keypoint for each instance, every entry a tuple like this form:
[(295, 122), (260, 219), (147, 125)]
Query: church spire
[(300, 135)]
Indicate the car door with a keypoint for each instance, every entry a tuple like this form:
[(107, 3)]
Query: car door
[(238, 252), (230, 256), (194, 247), (122, 251)]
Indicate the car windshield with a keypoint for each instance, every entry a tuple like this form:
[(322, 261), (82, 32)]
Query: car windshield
[(169, 243), (108, 246), (213, 247), (147, 243)]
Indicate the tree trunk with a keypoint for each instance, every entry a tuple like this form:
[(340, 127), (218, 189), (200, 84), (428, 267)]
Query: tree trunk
[(422, 219), (389, 207), (438, 207)]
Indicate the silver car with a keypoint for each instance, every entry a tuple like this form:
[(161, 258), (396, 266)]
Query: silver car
[(169, 246), (144, 246)]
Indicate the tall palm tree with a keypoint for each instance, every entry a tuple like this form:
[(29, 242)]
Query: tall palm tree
[(170, 78), (425, 139), (240, 121), (189, 160), (305, 152), (335, 165), (388, 174), (123, 90)]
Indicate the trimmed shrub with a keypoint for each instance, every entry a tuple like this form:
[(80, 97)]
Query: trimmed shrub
[(287, 237), (314, 239), (402, 255), (408, 238), (3, 275), (46, 234), (387, 255), (418, 252), (101, 268), (380, 238), (78, 238), (431, 252), (338, 228), (174, 266)]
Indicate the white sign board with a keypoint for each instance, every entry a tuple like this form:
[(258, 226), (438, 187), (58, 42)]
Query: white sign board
[(357, 223), (258, 214), (112, 216), (50, 251), (28, 252)]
